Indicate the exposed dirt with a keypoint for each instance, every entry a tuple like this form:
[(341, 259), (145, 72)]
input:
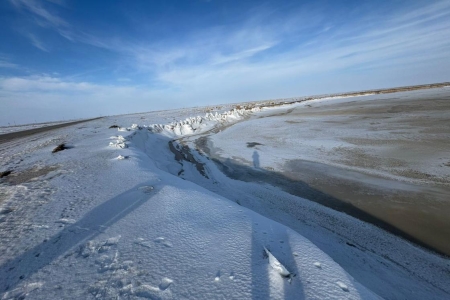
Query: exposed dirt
[(183, 153), (253, 144), (20, 177), (5, 173), (60, 147), (418, 213)]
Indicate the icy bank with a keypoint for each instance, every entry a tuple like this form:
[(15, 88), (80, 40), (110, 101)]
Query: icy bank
[(198, 124)]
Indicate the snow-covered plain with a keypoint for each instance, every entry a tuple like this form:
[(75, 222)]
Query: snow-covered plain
[(127, 214)]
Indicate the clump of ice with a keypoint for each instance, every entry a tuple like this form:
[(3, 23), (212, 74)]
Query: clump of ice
[(276, 265), (65, 221), (199, 123), (343, 286), (120, 145), (119, 142)]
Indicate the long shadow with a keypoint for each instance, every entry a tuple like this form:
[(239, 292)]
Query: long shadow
[(281, 248), (260, 287), (237, 171), (255, 157), (299, 188), (260, 278), (91, 225), (277, 242), (287, 259)]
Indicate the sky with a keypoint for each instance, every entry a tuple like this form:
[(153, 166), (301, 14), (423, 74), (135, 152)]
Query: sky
[(69, 59)]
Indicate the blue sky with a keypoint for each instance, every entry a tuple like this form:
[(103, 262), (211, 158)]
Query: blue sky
[(65, 59)]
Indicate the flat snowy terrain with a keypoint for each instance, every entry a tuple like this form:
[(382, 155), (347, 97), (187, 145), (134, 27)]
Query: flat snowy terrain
[(198, 209)]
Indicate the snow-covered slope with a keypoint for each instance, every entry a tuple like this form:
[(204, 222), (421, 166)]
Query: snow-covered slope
[(112, 217)]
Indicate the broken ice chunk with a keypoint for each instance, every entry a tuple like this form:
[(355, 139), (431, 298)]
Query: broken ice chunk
[(276, 265)]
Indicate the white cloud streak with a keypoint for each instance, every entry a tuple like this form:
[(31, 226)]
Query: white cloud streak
[(37, 42), (6, 64), (410, 38), (36, 8)]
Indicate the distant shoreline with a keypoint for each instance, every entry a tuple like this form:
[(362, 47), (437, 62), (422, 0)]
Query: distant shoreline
[(292, 100), (280, 101), (394, 90)]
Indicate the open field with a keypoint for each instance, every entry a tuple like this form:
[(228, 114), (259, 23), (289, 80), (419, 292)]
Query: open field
[(281, 199)]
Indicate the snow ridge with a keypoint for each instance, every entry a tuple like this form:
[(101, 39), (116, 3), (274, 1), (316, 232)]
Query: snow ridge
[(200, 124)]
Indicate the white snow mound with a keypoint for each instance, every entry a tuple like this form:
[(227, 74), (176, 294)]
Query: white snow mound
[(200, 124)]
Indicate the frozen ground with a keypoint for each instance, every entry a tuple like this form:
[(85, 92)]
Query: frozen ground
[(385, 155), (136, 212)]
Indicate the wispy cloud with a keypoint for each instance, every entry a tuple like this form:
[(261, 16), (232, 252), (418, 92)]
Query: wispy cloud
[(37, 42), (6, 63), (405, 38), (43, 16)]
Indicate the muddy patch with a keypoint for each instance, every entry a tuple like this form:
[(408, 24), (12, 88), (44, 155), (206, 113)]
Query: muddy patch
[(5, 173), (28, 175), (60, 147), (183, 153), (253, 144), (416, 212)]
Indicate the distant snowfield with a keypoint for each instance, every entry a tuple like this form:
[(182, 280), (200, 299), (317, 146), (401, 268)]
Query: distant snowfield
[(129, 213), (15, 128)]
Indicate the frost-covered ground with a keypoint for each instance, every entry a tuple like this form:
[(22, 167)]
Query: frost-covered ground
[(387, 155), (136, 212)]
